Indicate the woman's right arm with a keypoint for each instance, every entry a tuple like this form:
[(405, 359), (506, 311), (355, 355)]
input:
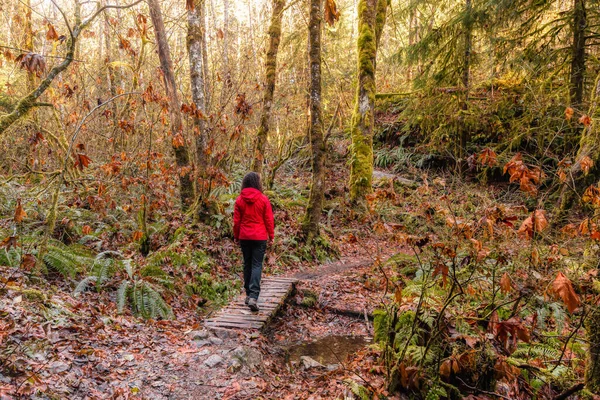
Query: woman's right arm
[(237, 219)]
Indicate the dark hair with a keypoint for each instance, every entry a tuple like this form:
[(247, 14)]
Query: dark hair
[(251, 180)]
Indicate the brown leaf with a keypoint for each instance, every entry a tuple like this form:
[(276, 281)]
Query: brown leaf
[(86, 230), (398, 295), (82, 161), (488, 157), (332, 15), (220, 34), (505, 283), (9, 242), (564, 289), (28, 261), (586, 163), (20, 214), (51, 33), (446, 368), (189, 5)]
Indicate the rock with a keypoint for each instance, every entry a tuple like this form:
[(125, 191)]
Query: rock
[(234, 365), (200, 343), (332, 367), (57, 367), (216, 341), (199, 335), (224, 333), (213, 361), (128, 357), (308, 362), (239, 352)]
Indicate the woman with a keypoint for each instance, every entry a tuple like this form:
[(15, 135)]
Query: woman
[(252, 226)]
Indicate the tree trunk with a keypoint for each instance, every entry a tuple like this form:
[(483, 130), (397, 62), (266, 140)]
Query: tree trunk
[(466, 71), (592, 370), (270, 80), (196, 47), (371, 20), (589, 146), (166, 65), (578, 53), (312, 218)]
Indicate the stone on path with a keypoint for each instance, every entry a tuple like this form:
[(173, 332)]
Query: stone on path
[(213, 361), (309, 362)]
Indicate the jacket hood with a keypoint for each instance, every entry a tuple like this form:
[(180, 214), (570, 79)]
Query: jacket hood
[(251, 195)]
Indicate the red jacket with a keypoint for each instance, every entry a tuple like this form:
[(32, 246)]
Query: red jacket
[(253, 216)]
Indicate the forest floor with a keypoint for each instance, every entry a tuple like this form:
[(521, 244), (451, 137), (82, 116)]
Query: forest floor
[(103, 356)]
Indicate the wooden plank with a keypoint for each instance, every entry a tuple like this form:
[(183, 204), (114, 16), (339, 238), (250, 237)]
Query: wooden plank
[(237, 314)]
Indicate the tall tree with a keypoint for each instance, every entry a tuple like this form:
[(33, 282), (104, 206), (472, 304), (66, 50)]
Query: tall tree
[(270, 81), (371, 20), (315, 124), (196, 44), (578, 53), (178, 141)]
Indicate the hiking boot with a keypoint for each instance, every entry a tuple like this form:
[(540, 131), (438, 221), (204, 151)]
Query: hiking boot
[(247, 300), (252, 304)]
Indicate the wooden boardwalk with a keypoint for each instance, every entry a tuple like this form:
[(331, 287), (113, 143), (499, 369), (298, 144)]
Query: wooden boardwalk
[(273, 293)]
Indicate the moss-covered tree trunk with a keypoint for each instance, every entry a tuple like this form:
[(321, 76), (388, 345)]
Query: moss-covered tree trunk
[(589, 147), (270, 80), (196, 48), (578, 53), (371, 20), (166, 65), (592, 371), (465, 78), (315, 128)]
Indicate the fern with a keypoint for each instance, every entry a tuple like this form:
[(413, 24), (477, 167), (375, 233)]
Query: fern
[(10, 258), (122, 296), (359, 390), (146, 301)]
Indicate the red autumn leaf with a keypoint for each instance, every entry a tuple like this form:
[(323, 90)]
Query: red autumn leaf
[(82, 161), (9, 242), (564, 289), (332, 15), (51, 33), (20, 214), (505, 283), (28, 261), (586, 163), (569, 113), (585, 120), (178, 141), (137, 235), (488, 157)]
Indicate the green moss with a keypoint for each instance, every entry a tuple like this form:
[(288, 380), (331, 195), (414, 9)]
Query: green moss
[(34, 295), (309, 299), (592, 371)]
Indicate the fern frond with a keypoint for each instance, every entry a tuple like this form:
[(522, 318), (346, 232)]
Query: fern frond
[(122, 296), (83, 285), (359, 390)]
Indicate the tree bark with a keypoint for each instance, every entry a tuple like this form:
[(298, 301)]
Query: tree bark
[(592, 371), (578, 53), (196, 49), (270, 81), (166, 65), (315, 128), (466, 71), (371, 20)]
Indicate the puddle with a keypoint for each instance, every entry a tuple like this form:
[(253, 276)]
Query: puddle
[(327, 350)]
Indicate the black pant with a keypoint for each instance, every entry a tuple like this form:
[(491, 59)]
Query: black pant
[(254, 253)]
